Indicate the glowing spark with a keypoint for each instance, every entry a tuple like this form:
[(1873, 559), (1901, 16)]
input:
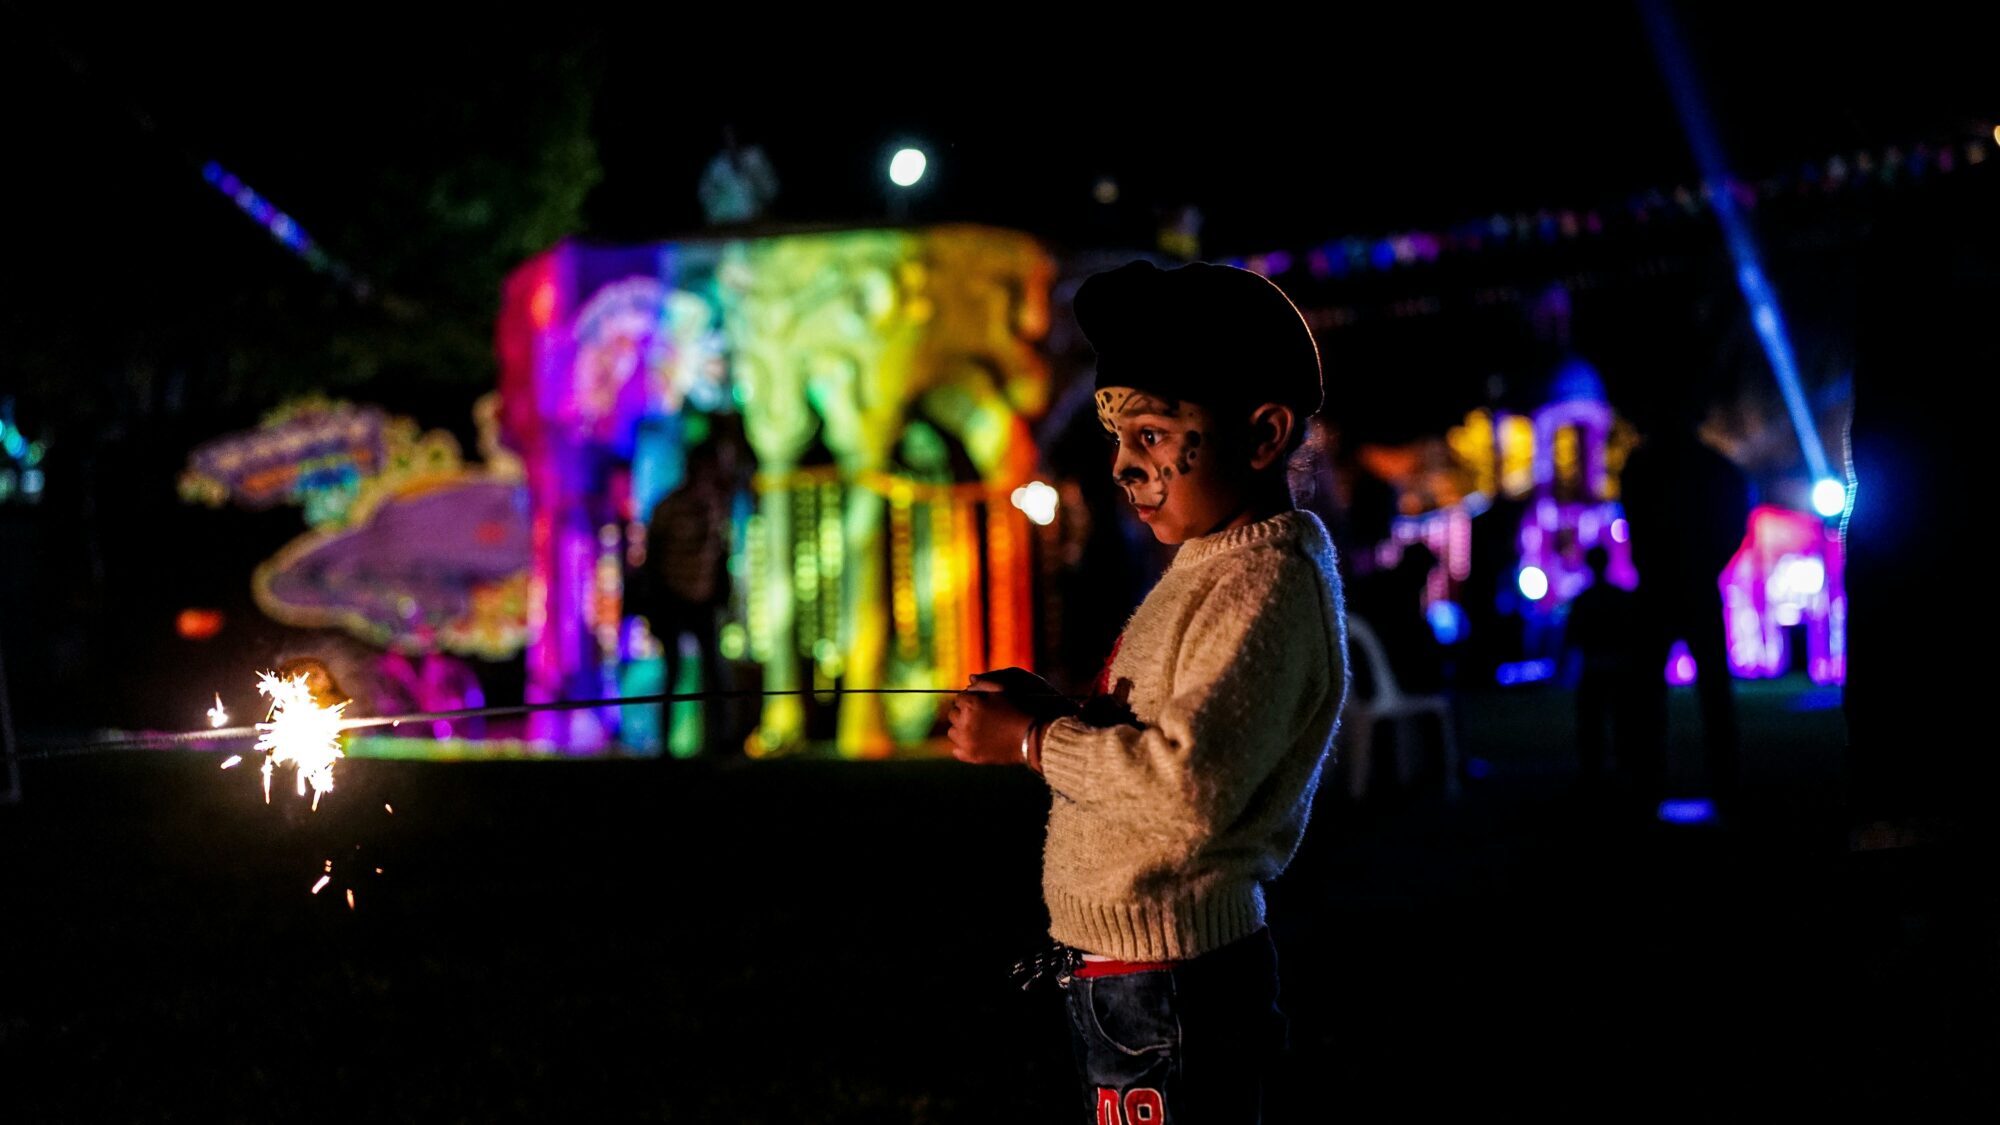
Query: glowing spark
[(378, 871), (232, 761), (391, 812), (217, 716), (321, 885), (299, 732), (350, 898)]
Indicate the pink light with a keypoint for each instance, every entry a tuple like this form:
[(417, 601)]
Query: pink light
[(1680, 665)]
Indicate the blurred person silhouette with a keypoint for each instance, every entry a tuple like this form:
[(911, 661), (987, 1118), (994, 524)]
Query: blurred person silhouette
[(1607, 653), (685, 582), (1687, 507), (1391, 600)]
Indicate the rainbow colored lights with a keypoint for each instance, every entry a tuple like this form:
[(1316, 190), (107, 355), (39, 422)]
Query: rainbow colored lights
[(880, 382)]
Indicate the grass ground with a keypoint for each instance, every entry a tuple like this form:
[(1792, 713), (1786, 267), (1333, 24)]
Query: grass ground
[(823, 941)]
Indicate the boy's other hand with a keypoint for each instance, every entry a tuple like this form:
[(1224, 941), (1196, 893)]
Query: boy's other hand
[(987, 726)]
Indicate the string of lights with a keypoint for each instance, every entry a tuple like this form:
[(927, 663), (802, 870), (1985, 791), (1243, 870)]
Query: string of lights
[(282, 227), (1353, 255)]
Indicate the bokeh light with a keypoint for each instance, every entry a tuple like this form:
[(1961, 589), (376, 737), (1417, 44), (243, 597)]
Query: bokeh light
[(907, 166), (1534, 584), (1037, 501)]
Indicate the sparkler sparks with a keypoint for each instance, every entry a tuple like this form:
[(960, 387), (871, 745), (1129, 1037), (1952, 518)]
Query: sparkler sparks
[(218, 715), (232, 761), (321, 885), (301, 732)]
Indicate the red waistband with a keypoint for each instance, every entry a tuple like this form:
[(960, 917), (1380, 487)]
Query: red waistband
[(1118, 968)]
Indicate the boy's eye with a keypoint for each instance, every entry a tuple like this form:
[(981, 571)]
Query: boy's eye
[(1150, 437)]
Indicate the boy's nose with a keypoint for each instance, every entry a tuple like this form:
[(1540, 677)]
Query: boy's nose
[(1126, 468)]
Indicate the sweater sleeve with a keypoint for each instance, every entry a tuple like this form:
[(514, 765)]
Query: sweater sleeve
[(1250, 671)]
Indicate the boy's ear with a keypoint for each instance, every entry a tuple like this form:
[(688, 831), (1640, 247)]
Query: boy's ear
[(1271, 429)]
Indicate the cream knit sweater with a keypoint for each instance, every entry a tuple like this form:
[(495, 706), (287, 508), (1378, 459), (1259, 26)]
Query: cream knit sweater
[(1162, 835)]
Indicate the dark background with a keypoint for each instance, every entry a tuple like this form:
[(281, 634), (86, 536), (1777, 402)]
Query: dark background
[(816, 941), (145, 313)]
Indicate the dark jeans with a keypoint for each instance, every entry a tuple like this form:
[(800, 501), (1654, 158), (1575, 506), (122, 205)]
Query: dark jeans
[(1194, 1044)]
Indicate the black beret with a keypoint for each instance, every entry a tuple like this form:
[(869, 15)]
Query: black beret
[(1205, 333)]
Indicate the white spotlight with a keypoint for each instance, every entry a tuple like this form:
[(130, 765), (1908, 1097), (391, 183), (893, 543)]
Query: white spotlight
[(1534, 584), (1829, 497), (907, 166)]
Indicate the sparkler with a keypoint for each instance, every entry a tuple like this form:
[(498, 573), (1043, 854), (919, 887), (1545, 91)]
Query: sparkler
[(334, 724), (301, 732)]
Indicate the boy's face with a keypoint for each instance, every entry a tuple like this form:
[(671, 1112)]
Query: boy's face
[(1169, 464)]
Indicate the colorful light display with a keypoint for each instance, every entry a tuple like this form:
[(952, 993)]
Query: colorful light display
[(1787, 585), (410, 547), (882, 381)]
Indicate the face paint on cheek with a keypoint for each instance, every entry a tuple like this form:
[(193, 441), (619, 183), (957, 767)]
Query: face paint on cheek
[(1190, 449)]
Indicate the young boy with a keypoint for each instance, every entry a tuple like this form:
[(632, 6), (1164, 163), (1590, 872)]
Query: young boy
[(1184, 786)]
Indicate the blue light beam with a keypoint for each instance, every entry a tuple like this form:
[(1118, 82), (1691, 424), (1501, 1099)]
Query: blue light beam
[(1764, 313)]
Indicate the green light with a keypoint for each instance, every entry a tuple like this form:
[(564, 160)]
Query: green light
[(732, 641)]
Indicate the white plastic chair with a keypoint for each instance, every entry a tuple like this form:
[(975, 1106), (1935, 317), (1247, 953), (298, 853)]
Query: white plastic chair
[(1389, 704)]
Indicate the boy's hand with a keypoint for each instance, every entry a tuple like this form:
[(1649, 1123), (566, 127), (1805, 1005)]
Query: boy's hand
[(1029, 692), (987, 726)]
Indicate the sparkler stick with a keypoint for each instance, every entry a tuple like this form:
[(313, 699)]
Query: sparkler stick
[(168, 739)]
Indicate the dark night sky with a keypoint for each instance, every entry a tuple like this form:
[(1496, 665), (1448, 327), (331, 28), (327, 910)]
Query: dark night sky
[(127, 274), (1284, 134), (1302, 133)]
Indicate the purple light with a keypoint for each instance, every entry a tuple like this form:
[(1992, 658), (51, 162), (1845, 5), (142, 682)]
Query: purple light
[(1680, 665), (1693, 810), (1525, 671)]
